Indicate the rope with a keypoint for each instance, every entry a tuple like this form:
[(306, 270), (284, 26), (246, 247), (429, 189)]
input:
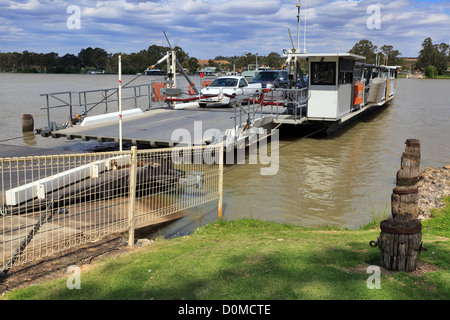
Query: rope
[(9, 139)]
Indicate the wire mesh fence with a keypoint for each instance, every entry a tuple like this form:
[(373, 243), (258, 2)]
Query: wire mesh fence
[(52, 203)]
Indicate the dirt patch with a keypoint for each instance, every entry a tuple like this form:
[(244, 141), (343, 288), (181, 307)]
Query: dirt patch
[(55, 266), (421, 269)]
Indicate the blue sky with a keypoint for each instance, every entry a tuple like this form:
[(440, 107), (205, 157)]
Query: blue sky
[(208, 28)]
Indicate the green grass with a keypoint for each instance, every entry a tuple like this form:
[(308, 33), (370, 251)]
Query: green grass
[(258, 260), (439, 224), (445, 76), (442, 76)]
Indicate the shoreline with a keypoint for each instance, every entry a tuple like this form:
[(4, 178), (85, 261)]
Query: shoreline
[(434, 184)]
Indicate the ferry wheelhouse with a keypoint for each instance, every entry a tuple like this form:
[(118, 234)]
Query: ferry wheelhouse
[(339, 85)]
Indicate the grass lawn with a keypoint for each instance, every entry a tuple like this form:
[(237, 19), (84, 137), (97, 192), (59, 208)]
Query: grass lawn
[(258, 260)]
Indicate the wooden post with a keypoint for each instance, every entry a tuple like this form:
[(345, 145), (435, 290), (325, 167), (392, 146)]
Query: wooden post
[(27, 123), (400, 241)]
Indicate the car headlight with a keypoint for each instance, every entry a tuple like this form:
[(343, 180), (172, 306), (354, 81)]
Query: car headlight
[(269, 85)]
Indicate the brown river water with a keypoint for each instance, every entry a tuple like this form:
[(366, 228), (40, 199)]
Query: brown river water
[(343, 179)]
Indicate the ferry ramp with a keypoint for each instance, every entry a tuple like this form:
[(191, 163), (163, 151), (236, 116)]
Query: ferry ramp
[(155, 128)]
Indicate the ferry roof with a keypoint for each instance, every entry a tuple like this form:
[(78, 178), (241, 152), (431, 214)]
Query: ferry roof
[(378, 66), (345, 54)]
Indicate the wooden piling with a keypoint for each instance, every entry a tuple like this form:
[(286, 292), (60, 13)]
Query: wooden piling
[(400, 241), (27, 123)]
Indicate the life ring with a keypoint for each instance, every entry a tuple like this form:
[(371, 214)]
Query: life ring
[(191, 90)]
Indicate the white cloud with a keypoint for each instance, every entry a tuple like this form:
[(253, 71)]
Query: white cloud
[(435, 18), (196, 7), (207, 28), (29, 5)]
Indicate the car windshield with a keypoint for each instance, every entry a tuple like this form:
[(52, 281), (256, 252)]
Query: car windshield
[(224, 82), (266, 76)]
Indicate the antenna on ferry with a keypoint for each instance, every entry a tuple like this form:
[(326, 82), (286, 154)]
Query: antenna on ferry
[(304, 30), (298, 26)]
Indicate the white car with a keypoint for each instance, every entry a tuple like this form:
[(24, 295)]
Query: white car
[(221, 90)]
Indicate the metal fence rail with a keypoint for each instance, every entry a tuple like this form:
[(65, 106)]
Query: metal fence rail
[(99, 101), (52, 203)]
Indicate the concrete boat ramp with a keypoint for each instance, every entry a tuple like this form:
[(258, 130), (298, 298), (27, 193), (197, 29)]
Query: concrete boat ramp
[(163, 127)]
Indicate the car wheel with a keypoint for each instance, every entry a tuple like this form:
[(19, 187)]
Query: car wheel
[(202, 105)]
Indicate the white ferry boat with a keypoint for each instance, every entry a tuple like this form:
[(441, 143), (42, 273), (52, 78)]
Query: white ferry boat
[(339, 86)]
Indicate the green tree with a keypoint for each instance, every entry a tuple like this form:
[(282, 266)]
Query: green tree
[(431, 71), (366, 49), (435, 55), (274, 60), (192, 64), (97, 57), (70, 61), (391, 56), (154, 53), (3, 62)]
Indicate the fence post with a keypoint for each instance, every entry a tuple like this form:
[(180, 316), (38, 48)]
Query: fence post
[(220, 208), (132, 196)]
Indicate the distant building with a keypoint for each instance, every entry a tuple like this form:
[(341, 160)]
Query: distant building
[(207, 71), (410, 63)]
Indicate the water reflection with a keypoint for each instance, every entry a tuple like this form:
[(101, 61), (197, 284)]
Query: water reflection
[(29, 139)]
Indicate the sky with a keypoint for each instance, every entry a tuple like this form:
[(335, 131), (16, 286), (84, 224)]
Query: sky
[(209, 28)]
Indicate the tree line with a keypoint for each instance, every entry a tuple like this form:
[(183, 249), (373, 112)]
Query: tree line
[(385, 55), (99, 59), (432, 59), (87, 59)]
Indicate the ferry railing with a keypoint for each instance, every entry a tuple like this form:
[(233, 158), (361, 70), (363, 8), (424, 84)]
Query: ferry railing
[(289, 105), (49, 204), (82, 103)]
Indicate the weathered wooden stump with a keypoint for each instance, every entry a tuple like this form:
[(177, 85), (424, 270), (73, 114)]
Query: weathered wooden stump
[(400, 246), (400, 241), (27, 123)]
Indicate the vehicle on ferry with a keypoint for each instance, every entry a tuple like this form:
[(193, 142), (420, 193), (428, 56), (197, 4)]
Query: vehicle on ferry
[(154, 72), (223, 89), (272, 79)]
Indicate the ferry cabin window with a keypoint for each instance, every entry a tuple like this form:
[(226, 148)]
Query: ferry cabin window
[(323, 73), (345, 77), (346, 69)]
